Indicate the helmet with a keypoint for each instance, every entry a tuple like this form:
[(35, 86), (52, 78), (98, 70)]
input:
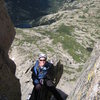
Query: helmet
[(42, 56)]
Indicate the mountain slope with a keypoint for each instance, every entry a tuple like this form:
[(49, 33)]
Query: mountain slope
[(25, 11), (68, 35), (88, 85)]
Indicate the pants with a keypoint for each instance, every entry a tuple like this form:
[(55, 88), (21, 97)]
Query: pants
[(38, 94), (50, 86)]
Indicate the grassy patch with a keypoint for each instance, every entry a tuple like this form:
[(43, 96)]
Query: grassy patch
[(26, 38), (64, 36), (65, 29), (42, 50), (73, 47), (82, 16), (32, 39), (49, 49)]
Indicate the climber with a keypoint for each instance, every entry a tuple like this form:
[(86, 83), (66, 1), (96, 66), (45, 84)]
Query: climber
[(40, 77)]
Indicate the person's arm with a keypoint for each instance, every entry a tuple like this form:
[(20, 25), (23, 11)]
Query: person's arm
[(35, 78), (49, 70), (34, 74)]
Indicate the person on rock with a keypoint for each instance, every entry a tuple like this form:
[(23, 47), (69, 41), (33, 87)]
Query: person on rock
[(40, 78)]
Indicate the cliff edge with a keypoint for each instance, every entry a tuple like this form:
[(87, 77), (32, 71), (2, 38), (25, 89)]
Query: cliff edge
[(88, 85)]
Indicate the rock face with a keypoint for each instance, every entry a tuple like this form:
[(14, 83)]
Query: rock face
[(88, 86), (9, 84)]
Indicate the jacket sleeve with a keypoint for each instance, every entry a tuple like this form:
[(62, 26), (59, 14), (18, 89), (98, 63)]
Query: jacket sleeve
[(50, 71), (34, 77)]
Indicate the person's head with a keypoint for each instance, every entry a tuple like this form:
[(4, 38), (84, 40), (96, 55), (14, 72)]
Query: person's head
[(42, 59)]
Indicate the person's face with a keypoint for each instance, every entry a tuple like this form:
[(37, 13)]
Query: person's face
[(42, 62)]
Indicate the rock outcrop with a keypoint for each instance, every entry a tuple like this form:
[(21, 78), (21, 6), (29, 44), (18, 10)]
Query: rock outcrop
[(9, 84), (88, 86)]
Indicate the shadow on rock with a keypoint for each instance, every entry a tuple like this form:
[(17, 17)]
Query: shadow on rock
[(9, 84)]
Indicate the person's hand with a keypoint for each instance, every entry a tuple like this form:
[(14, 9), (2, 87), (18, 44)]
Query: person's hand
[(49, 83), (42, 81), (38, 86)]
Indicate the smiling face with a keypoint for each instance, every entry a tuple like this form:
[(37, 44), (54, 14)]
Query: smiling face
[(42, 62)]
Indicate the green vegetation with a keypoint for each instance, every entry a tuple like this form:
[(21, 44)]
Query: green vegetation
[(50, 48), (31, 39), (65, 29), (64, 36), (82, 16), (42, 50), (18, 42), (25, 38), (70, 44)]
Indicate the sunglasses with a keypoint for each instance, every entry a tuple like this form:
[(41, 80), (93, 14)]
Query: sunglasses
[(42, 60)]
